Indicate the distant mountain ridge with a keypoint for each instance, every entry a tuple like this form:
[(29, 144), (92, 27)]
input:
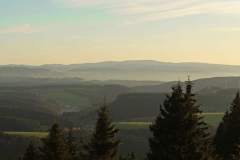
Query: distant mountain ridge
[(142, 70), (199, 85)]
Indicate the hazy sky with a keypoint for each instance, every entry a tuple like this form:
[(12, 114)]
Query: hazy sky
[(76, 31)]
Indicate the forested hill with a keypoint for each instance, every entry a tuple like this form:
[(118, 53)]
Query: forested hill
[(122, 70), (29, 101), (137, 106), (199, 85)]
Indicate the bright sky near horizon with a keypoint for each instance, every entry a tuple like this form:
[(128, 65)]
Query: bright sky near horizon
[(77, 31)]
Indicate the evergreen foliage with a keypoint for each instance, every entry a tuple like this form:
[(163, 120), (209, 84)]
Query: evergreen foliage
[(104, 141), (236, 153), (228, 132), (72, 145), (31, 153), (54, 146), (83, 150), (179, 133)]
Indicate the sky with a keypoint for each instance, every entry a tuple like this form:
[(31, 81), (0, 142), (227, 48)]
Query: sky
[(78, 31)]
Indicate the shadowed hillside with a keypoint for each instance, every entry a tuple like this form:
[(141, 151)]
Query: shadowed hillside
[(142, 106)]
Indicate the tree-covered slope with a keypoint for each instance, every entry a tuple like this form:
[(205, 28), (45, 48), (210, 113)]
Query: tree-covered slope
[(135, 106)]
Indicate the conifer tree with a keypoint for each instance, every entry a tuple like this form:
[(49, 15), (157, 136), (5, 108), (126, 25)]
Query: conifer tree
[(83, 150), (104, 141), (54, 146), (236, 153), (228, 132), (31, 153), (72, 146), (179, 133)]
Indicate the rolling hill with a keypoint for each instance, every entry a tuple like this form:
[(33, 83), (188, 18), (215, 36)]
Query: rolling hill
[(142, 70), (76, 100), (199, 85), (144, 106)]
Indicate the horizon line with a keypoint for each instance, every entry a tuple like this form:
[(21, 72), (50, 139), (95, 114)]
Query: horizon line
[(120, 61)]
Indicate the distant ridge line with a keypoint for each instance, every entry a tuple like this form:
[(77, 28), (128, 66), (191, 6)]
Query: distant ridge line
[(123, 61)]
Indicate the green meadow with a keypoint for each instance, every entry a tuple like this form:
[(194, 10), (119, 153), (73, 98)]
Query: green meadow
[(212, 119), (28, 134)]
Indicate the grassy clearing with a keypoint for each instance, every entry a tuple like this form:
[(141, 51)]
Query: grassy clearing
[(28, 134), (212, 119)]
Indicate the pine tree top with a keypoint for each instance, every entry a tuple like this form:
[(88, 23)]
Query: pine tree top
[(31, 152), (189, 86), (179, 131), (104, 142), (54, 146), (235, 106)]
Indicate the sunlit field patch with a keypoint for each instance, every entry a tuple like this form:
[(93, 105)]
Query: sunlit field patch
[(212, 119), (28, 134)]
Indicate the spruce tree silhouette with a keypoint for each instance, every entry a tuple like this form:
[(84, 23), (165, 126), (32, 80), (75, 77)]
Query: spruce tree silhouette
[(31, 153), (54, 146), (104, 142), (179, 133), (228, 133), (72, 145)]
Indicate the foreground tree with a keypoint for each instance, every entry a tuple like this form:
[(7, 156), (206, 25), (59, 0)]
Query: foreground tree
[(104, 142), (54, 146), (236, 153), (31, 153), (228, 133), (72, 145), (179, 133)]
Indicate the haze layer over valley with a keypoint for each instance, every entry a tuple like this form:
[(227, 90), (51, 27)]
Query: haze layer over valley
[(146, 70)]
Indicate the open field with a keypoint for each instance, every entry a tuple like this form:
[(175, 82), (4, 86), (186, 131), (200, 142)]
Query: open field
[(28, 134), (211, 118)]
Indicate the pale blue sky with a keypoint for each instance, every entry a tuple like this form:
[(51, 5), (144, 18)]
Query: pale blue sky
[(77, 31)]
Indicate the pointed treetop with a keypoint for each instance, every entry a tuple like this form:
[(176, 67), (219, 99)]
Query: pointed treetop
[(104, 101), (188, 85), (238, 95), (179, 112), (189, 78), (104, 108), (177, 88), (236, 101), (104, 141), (237, 98)]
